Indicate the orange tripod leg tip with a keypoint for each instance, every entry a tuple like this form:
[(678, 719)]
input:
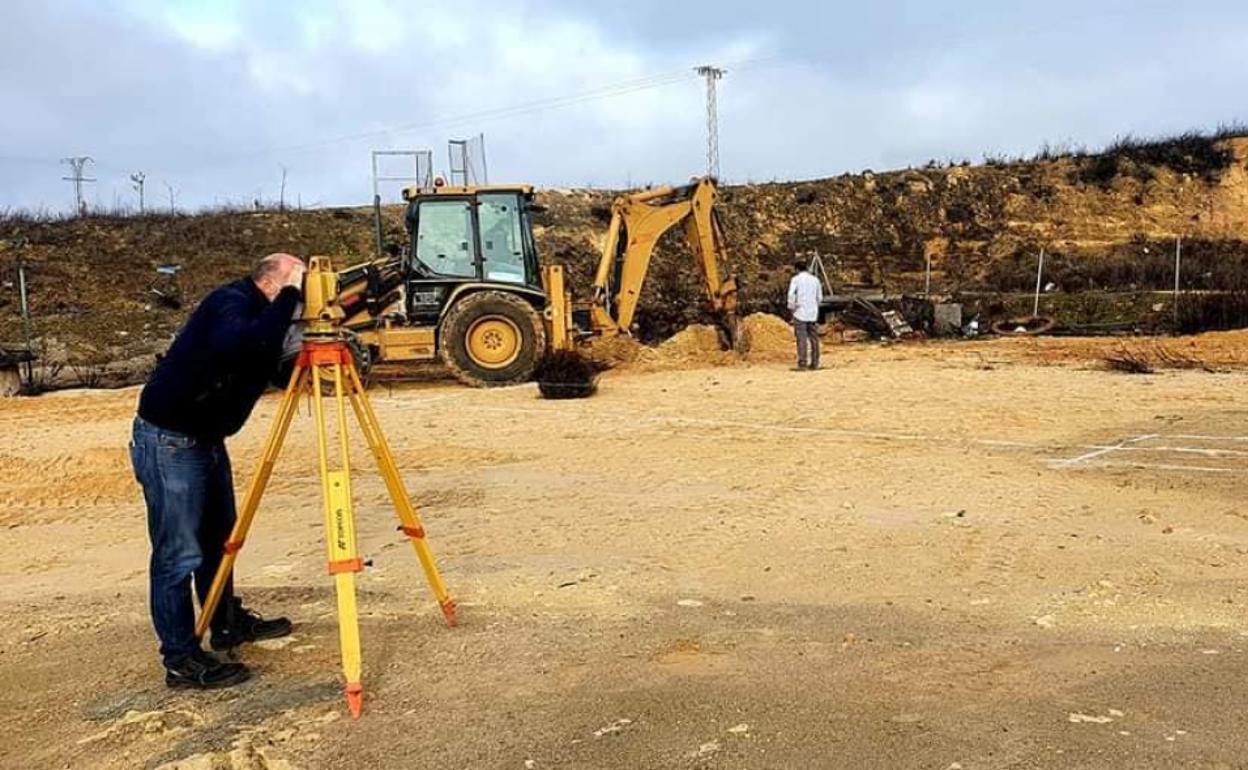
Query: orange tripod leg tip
[(448, 610), (355, 699)]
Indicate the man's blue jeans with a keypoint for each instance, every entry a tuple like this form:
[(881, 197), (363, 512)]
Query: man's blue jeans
[(189, 490)]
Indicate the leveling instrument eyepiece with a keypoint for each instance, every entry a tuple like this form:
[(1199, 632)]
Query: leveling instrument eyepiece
[(325, 358), (321, 313)]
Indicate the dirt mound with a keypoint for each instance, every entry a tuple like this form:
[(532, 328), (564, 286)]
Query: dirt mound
[(614, 351), (766, 337), (697, 345)]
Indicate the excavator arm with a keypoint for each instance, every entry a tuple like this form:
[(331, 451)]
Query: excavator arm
[(637, 223)]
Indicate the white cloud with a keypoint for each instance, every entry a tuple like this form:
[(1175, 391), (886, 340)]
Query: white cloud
[(378, 27), (212, 95), (212, 26)]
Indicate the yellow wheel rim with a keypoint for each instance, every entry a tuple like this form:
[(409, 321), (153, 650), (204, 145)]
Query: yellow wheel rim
[(493, 342)]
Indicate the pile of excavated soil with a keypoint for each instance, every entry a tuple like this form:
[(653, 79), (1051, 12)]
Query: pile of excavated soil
[(766, 337), (613, 351), (694, 346)]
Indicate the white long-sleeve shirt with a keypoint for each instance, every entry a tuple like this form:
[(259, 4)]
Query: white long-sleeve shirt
[(805, 293)]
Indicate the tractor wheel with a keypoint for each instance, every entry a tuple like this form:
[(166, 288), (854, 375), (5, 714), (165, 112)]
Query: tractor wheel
[(492, 338), (363, 357)]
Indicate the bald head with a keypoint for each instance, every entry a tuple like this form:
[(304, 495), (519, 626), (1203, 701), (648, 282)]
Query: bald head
[(277, 271)]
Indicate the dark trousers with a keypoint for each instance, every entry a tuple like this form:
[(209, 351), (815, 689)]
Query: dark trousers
[(807, 337), (189, 490)]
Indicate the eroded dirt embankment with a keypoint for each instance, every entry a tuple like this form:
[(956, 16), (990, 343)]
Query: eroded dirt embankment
[(1107, 223)]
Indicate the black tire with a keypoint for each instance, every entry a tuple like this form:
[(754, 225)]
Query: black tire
[(363, 357), (490, 318)]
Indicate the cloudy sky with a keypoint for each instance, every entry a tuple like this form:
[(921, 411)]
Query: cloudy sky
[(212, 98)]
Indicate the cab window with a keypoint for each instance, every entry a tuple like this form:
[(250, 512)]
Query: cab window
[(444, 241), (502, 237)]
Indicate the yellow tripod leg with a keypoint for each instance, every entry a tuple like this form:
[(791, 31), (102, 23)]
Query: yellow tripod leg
[(251, 501), (408, 517), (344, 560)]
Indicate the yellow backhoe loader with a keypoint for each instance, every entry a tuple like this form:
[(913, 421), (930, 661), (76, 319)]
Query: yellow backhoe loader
[(469, 288)]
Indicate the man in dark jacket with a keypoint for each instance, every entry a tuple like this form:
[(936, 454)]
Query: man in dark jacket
[(202, 391)]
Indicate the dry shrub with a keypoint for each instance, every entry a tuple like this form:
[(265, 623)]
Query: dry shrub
[(1150, 357), (1199, 154), (1128, 362)]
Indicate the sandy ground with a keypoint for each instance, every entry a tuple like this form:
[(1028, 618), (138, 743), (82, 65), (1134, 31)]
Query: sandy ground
[(923, 557)]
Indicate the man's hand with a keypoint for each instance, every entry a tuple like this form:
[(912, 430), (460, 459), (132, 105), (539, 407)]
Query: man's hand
[(295, 276)]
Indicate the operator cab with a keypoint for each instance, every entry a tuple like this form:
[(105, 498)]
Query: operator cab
[(467, 234)]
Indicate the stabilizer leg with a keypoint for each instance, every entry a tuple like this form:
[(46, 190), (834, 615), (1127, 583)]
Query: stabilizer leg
[(408, 517), (344, 559)]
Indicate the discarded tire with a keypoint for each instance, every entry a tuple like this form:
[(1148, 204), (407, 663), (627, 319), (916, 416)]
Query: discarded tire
[(1026, 326)]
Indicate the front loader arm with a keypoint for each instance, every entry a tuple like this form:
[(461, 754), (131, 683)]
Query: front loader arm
[(637, 223)]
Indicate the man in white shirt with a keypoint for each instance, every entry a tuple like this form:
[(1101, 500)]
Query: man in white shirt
[(805, 293)]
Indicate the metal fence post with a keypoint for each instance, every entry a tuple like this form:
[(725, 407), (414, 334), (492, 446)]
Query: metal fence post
[(27, 331), (927, 282), (1178, 258), (1035, 309)]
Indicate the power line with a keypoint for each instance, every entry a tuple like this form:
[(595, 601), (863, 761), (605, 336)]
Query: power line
[(604, 92), (27, 159), (622, 88), (77, 165)]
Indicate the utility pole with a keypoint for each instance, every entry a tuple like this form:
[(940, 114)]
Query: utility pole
[(711, 74), (281, 197), (173, 193), (77, 165), (136, 181)]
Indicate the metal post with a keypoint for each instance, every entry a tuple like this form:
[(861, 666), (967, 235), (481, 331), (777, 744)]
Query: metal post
[(377, 209), (381, 246), (1035, 309), (27, 331), (485, 170), (464, 171), (1178, 258), (927, 284)]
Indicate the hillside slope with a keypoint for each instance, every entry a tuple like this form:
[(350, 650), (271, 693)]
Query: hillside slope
[(1107, 221)]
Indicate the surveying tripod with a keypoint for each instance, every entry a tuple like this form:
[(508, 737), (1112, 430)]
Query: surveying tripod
[(325, 360)]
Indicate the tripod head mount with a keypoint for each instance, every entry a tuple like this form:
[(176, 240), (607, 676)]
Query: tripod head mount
[(321, 312)]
